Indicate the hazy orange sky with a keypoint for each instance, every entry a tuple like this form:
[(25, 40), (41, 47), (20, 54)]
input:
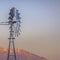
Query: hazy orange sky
[(40, 27)]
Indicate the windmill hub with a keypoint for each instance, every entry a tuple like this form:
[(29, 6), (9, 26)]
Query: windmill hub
[(12, 22)]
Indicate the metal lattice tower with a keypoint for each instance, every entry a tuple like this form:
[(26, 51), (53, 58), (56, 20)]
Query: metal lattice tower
[(14, 22)]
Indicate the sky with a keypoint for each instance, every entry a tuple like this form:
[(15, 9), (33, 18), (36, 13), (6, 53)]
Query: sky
[(40, 27)]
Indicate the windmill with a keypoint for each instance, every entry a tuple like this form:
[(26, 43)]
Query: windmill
[(14, 23)]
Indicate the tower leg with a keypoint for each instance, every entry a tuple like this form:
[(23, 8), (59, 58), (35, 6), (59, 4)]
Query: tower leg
[(9, 49), (14, 49)]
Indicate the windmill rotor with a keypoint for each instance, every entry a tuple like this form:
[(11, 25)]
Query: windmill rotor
[(14, 18)]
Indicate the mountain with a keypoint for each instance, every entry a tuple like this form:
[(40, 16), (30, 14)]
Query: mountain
[(21, 55)]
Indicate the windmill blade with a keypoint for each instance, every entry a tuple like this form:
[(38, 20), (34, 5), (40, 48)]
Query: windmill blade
[(17, 27)]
